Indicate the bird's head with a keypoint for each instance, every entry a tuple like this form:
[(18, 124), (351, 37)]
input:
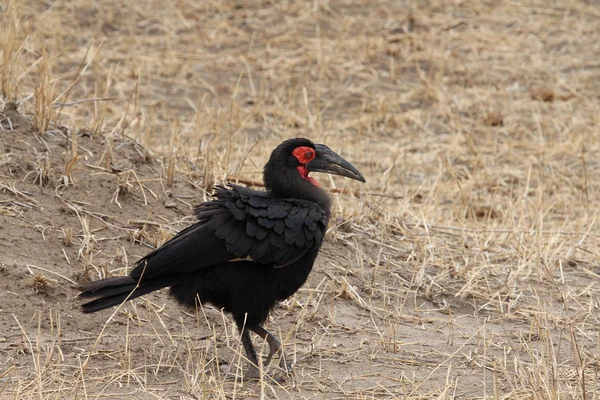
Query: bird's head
[(286, 172)]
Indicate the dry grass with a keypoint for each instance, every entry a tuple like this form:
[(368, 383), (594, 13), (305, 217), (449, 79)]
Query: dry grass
[(466, 267)]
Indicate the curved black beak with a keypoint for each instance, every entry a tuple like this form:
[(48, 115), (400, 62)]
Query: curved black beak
[(328, 161)]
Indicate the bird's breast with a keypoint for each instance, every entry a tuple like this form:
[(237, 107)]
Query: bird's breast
[(290, 278)]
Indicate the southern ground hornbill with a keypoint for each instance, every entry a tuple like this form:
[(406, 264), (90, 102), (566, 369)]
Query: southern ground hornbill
[(248, 250)]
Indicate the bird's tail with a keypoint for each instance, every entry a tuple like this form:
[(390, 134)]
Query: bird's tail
[(114, 291)]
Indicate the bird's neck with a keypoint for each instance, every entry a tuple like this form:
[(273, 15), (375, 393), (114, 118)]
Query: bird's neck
[(293, 186)]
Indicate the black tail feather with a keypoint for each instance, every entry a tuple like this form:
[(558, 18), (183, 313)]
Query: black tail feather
[(114, 291), (106, 287)]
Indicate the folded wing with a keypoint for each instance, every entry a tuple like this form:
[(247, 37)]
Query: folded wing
[(240, 223)]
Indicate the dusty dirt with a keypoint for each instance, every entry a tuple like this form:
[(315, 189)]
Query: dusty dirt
[(466, 267), (353, 329)]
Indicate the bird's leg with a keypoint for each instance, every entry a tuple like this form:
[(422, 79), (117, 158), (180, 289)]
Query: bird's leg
[(274, 345), (253, 371)]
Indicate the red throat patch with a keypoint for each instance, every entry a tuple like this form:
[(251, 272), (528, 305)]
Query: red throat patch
[(304, 174)]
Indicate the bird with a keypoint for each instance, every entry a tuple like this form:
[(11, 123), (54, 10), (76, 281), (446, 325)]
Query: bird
[(248, 250)]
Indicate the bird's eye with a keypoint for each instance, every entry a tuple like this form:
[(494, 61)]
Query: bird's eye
[(304, 154)]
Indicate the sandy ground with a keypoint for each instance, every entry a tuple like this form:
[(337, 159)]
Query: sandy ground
[(466, 267)]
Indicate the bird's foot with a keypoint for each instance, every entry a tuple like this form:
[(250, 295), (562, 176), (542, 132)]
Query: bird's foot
[(230, 373), (267, 361), (274, 348), (253, 373), (285, 364)]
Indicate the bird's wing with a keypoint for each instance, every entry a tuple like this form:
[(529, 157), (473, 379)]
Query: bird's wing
[(268, 230), (240, 223), (193, 248)]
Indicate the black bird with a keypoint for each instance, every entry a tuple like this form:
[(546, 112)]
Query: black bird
[(248, 250)]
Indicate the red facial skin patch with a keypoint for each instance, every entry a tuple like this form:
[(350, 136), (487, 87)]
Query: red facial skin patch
[(304, 154)]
